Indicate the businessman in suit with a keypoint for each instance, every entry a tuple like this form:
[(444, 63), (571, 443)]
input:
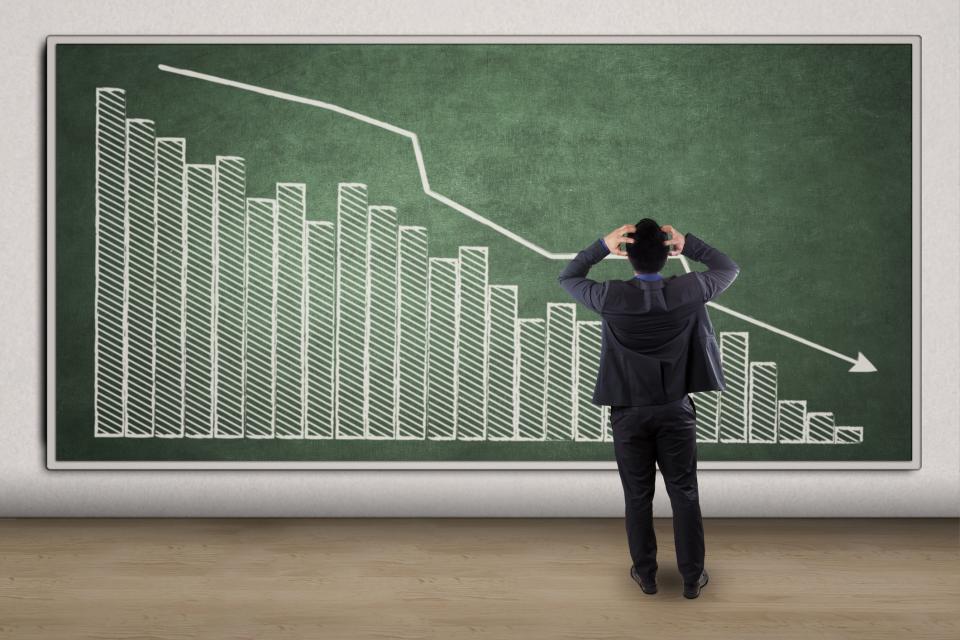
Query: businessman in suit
[(657, 347)]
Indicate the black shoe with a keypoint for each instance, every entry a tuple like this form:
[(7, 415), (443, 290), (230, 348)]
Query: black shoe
[(693, 590), (649, 588)]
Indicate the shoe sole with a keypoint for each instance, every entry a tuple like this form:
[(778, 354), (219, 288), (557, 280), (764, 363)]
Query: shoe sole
[(697, 595)]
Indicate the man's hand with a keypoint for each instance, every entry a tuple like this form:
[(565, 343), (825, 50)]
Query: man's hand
[(674, 238), (618, 236)]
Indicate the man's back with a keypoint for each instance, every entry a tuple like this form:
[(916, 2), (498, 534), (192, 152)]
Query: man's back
[(657, 347), (658, 343)]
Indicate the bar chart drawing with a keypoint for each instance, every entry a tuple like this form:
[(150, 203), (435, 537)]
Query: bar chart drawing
[(221, 316)]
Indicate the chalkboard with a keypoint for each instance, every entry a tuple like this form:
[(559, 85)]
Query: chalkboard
[(273, 254)]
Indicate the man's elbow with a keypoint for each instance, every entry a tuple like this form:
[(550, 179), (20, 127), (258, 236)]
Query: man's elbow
[(733, 273), (733, 268)]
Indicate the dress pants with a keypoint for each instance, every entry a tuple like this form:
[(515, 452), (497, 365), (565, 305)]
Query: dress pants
[(665, 434)]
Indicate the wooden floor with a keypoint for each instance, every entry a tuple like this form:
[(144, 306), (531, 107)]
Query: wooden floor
[(471, 578)]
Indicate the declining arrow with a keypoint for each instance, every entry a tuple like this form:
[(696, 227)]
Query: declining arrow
[(860, 363)]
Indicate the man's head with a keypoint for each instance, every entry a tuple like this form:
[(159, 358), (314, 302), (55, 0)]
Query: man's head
[(647, 253)]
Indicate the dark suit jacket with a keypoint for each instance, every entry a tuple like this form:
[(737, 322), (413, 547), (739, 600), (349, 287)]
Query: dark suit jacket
[(657, 341)]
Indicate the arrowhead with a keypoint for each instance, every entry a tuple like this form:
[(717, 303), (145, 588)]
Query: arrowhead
[(862, 365)]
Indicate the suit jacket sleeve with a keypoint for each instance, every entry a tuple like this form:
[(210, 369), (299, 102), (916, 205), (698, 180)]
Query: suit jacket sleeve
[(574, 277), (721, 270)]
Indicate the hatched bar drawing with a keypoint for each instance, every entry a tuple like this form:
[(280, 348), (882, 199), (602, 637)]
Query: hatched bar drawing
[(820, 427), (792, 419), (381, 329), (219, 315), (531, 378), (443, 276), (260, 409), (199, 352), (472, 344), (707, 404), (291, 214), (171, 278), (762, 415), (231, 253), (351, 310), (734, 348), (589, 417), (501, 376), (141, 266), (110, 256), (319, 375), (411, 332), (560, 396), (849, 435)]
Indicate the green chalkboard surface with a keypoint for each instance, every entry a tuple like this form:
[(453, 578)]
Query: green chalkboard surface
[(275, 253)]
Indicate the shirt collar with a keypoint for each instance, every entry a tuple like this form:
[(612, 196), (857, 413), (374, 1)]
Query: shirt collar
[(648, 276)]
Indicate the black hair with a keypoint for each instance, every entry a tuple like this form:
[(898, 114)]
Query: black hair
[(647, 253)]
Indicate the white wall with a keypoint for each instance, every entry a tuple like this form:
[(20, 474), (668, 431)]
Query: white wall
[(28, 489)]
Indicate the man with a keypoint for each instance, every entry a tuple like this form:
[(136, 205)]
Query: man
[(657, 347)]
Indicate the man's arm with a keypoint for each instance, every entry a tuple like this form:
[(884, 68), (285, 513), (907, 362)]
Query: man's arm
[(721, 270), (573, 278)]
